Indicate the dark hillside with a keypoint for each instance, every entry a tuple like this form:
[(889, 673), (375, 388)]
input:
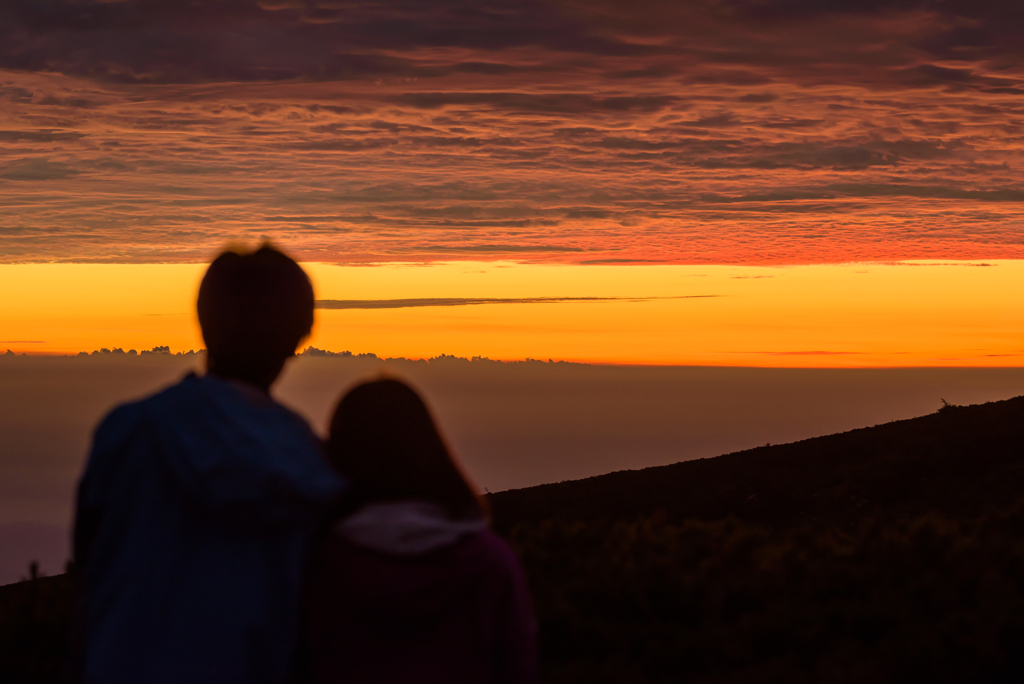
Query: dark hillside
[(922, 600), (959, 462), (35, 619), (887, 554)]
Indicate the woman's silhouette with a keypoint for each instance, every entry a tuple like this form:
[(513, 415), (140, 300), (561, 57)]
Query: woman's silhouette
[(411, 586)]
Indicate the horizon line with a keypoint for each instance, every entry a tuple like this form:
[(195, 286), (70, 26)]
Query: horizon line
[(314, 352)]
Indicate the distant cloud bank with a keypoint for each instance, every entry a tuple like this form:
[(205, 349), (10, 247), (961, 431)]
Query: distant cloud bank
[(310, 351)]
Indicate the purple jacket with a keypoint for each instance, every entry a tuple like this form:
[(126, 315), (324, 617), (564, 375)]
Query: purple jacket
[(436, 610)]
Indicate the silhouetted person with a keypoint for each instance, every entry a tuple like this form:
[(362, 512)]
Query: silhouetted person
[(197, 506), (412, 586)]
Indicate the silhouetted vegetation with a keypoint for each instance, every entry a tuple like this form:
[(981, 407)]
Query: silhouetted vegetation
[(648, 601), (893, 553), (35, 626)]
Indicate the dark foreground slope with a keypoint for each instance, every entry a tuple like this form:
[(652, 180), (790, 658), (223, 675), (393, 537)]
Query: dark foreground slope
[(35, 621), (959, 462), (889, 554)]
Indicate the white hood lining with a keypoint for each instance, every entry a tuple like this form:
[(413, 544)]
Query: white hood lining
[(405, 528)]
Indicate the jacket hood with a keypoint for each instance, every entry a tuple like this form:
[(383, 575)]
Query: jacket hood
[(250, 459), (405, 528), (399, 566)]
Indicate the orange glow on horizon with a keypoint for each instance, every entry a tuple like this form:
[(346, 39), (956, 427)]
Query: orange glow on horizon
[(848, 315)]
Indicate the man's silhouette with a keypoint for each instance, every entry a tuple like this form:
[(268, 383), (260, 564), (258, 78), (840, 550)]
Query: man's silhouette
[(198, 503)]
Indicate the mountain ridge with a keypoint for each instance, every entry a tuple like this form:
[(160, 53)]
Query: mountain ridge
[(959, 461)]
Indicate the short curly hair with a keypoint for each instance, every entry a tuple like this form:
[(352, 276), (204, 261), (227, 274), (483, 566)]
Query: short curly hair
[(255, 307)]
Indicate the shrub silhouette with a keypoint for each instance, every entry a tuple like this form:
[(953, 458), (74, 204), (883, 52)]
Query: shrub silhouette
[(35, 626), (648, 601)]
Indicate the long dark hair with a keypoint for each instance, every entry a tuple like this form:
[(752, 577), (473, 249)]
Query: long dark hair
[(384, 439)]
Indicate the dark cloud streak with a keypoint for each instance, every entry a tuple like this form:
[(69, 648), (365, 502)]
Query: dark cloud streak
[(468, 301)]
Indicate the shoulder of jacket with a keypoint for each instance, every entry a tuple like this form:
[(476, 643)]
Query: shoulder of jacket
[(121, 419), (125, 418)]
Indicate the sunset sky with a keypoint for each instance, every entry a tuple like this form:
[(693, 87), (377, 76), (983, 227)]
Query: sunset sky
[(718, 182), (851, 315), (812, 210)]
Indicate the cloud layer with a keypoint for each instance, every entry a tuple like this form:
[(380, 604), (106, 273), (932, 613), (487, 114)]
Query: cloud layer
[(741, 131)]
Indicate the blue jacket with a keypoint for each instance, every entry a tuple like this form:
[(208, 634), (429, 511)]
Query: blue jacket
[(193, 522)]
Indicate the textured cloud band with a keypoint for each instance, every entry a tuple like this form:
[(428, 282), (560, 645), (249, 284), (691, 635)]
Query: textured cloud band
[(728, 131)]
